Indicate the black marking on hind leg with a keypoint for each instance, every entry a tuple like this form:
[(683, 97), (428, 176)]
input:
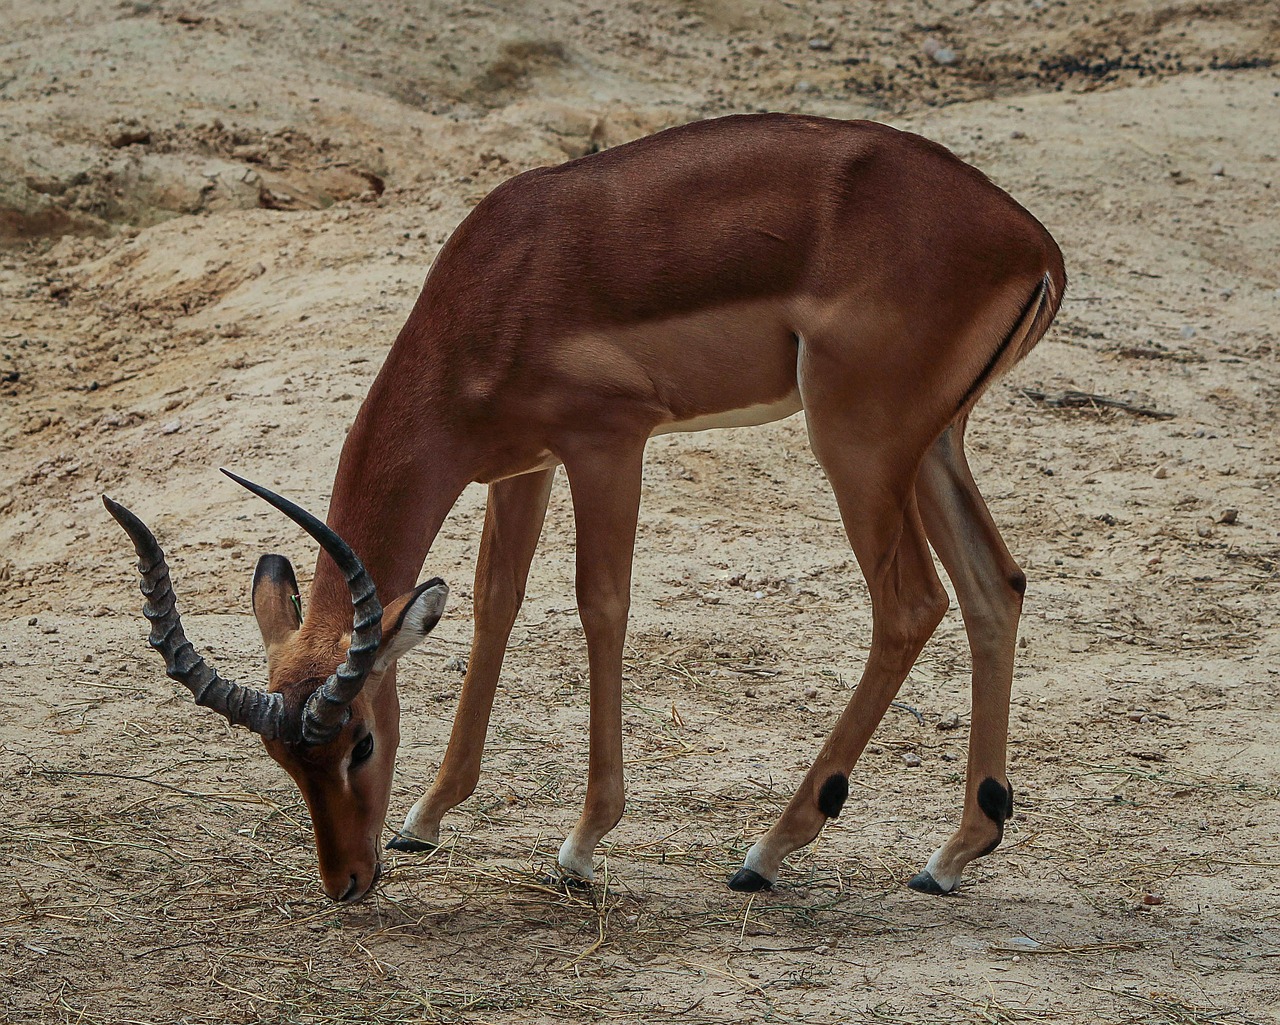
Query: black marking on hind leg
[(996, 803), (832, 796)]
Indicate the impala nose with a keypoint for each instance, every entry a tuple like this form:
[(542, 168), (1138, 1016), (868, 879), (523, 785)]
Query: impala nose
[(358, 888)]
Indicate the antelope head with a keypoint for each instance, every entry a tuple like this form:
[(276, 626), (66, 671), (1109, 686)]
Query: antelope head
[(329, 715)]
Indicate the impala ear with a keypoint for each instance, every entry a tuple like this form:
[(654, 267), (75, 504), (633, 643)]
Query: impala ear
[(276, 604), (409, 619)]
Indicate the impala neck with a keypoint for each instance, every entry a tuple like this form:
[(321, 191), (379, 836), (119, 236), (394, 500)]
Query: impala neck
[(399, 475)]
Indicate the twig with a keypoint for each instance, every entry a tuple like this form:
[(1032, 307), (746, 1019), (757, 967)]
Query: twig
[(1079, 399)]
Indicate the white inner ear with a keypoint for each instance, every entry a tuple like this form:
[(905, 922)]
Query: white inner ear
[(418, 619)]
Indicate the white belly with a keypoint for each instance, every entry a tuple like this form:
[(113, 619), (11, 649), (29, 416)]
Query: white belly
[(751, 416)]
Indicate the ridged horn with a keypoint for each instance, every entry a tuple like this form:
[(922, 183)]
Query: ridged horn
[(328, 708), (254, 709)]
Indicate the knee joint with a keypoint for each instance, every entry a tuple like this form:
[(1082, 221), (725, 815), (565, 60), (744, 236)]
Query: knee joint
[(598, 612)]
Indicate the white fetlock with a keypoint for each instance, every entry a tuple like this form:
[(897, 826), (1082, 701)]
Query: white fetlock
[(572, 862), (758, 872), (418, 827), (946, 881), (758, 862)]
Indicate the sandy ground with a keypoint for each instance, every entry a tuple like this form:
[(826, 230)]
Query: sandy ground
[(216, 216)]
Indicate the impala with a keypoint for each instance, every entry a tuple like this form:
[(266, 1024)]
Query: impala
[(726, 273)]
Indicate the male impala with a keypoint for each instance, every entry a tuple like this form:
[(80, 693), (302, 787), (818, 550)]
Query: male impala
[(726, 273)]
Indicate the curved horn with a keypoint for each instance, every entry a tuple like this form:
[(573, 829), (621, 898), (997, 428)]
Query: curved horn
[(255, 709), (328, 708)]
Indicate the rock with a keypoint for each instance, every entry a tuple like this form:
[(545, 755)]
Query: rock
[(912, 760), (129, 135), (949, 722), (812, 692), (1229, 516), (819, 44), (172, 427), (1161, 472), (1218, 171), (938, 53)]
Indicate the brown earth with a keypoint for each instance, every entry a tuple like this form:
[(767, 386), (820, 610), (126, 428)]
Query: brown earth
[(216, 218)]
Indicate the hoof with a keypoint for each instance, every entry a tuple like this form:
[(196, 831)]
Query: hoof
[(923, 882), (410, 844), (746, 880), (569, 880)]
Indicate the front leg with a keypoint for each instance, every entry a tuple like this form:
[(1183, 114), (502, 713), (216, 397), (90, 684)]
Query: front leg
[(512, 525), (605, 481)]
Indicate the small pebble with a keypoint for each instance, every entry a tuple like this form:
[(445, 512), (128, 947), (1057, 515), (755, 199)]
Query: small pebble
[(819, 44), (1204, 530), (912, 760), (48, 629), (1218, 170), (812, 692), (1161, 472), (1152, 898), (172, 427), (1229, 516), (949, 722), (33, 621), (1188, 331), (938, 53)]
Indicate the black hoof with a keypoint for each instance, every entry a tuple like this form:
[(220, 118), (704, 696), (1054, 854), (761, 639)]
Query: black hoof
[(410, 844), (746, 881), (560, 878), (923, 882)]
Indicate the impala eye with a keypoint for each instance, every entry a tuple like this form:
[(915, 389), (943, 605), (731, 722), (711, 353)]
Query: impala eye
[(362, 751)]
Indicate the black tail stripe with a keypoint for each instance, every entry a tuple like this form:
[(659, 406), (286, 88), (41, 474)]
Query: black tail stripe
[(983, 379)]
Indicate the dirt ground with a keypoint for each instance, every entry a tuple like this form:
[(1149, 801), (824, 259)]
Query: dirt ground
[(215, 217)]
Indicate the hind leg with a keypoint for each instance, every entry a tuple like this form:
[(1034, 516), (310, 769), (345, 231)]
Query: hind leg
[(872, 473), (989, 585)]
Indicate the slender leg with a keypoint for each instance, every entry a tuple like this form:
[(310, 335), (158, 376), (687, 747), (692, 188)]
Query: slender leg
[(989, 585), (605, 482), (873, 482), (512, 525)]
